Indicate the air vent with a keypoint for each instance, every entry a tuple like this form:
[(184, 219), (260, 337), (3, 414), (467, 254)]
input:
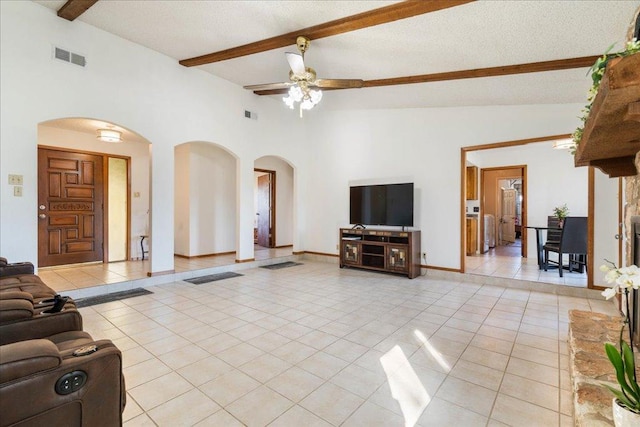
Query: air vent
[(63, 55), (78, 60), (250, 115), (70, 57)]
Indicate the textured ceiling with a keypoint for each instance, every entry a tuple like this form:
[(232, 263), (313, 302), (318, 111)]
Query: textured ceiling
[(476, 35)]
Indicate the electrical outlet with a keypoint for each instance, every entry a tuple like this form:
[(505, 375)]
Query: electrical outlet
[(15, 179), (17, 191)]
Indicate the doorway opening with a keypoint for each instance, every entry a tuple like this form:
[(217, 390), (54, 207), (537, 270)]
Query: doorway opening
[(264, 230), (502, 205), (83, 207), (70, 207), (93, 198)]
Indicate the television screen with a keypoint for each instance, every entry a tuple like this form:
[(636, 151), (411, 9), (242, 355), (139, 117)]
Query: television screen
[(390, 204)]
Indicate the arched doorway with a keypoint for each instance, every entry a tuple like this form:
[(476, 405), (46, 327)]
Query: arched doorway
[(93, 195), (205, 200), (273, 201)]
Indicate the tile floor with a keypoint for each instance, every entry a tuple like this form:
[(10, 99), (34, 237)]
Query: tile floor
[(315, 345), (80, 276), (505, 261)]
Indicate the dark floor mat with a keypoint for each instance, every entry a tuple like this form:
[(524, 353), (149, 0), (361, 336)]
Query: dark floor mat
[(115, 296), (281, 265), (213, 277)]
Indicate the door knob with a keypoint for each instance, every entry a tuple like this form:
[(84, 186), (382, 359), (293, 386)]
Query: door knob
[(42, 207), (42, 216), (617, 237)]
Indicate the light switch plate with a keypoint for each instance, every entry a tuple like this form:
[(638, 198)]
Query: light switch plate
[(17, 191), (15, 179)]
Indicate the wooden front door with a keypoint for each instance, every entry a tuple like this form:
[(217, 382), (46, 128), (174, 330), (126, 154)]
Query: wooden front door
[(70, 207), (264, 210)]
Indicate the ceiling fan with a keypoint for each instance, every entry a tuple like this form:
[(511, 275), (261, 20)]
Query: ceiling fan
[(304, 87)]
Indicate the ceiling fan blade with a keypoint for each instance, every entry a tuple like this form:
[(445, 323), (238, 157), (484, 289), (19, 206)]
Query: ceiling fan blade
[(271, 91), (270, 86), (296, 62), (284, 91), (339, 83)]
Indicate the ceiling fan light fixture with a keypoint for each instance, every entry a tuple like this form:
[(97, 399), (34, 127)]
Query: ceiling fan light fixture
[(109, 135), (301, 93), (316, 96), (564, 144)]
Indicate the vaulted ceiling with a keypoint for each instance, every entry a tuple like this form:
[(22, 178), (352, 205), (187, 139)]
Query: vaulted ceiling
[(451, 39)]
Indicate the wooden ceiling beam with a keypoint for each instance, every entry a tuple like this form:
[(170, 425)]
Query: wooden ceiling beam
[(532, 67), (383, 15), (74, 8)]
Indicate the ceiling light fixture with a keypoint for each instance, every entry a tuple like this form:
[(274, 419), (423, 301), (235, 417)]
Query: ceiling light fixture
[(564, 144), (300, 92), (109, 135)]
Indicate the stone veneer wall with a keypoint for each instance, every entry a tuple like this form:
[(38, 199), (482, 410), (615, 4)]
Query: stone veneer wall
[(590, 367)]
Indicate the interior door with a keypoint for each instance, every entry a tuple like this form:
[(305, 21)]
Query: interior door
[(607, 227), (507, 221), (70, 207), (264, 210)]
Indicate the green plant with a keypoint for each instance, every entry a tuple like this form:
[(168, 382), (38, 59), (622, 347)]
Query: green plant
[(597, 73), (623, 359), (561, 212)]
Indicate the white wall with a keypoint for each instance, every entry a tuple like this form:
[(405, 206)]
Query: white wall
[(212, 200), (182, 206), (425, 144), (139, 166), (205, 200), (284, 197), (136, 88)]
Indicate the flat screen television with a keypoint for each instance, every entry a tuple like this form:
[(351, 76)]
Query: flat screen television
[(390, 204)]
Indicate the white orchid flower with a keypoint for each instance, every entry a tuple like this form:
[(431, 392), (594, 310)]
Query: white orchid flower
[(609, 293), (604, 268), (630, 270), (612, 276)]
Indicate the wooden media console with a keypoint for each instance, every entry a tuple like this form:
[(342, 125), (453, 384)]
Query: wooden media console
[(381, 250)]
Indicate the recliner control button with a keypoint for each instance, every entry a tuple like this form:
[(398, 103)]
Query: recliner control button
[(71, 382)]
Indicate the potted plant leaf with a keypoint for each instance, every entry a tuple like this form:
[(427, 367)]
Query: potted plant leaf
[(561, 212), (626, 403)]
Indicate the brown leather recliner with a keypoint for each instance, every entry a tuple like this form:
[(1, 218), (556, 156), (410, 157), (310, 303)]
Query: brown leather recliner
[(14, 269), (30, 309), (65, 380), (22, 318), (19, 277), (27, 283)]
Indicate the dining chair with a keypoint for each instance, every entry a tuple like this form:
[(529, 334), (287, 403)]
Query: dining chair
[(573, 242), (553, 229)]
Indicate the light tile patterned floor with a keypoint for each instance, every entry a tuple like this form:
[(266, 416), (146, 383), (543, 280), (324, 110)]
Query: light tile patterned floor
[(505, 261), (79, 276), (315, 345)]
